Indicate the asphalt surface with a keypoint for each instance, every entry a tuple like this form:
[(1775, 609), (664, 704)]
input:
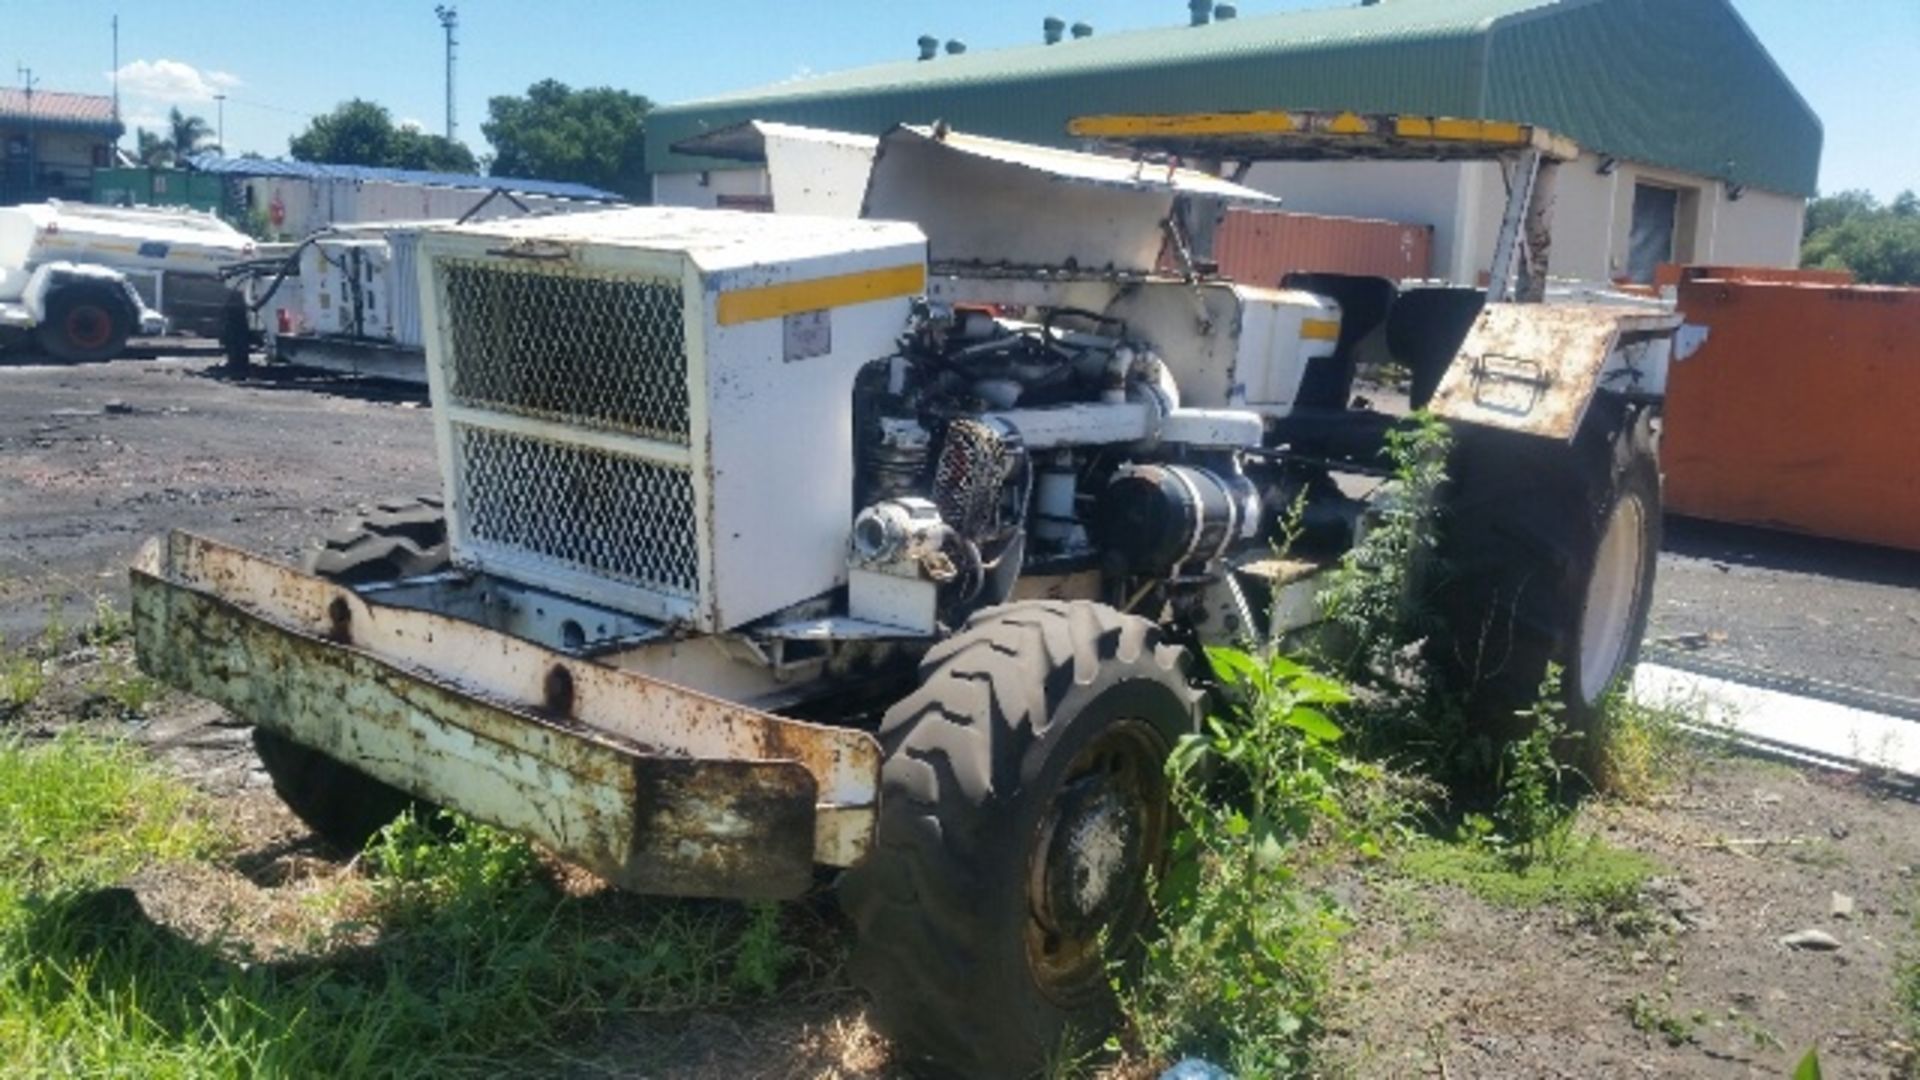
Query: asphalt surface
[(96, 458)]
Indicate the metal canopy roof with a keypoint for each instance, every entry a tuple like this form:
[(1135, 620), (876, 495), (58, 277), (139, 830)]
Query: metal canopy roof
[(57, 109), (311, 170), (1315, 136), (1680, 84)]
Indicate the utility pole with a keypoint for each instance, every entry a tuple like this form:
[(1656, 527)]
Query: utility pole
[(449, 21), (116, 73), (28, 82), (222, 99)]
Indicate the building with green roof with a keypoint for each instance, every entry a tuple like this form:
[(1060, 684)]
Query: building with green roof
[(1696, 146)]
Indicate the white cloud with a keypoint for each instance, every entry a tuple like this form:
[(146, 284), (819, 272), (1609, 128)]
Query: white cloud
[(408, 123), (152, 121), (172, 82)]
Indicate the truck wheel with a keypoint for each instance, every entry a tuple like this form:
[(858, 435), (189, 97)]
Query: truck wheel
[(1024, 808), (1549, 557), (84, 325), (341, 804)]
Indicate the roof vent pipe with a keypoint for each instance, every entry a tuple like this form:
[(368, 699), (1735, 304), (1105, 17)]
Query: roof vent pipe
[(929, 46), (1052, 29), (1199, 11), (955, 47), (1223, 12), (1081, 30)]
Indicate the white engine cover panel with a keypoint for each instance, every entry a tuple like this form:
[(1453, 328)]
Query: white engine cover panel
[(652, 408), (1232, 346)]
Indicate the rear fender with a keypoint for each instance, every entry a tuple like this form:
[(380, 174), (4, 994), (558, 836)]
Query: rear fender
[(1535, 368)]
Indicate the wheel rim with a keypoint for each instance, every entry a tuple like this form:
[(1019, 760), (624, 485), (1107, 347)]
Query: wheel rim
[(1087, 873), (88, 326), (1613, 592)]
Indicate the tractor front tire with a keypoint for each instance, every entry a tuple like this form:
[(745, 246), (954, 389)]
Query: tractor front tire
[(1024, 810), (342, 805), (1549, 555), (84, 324)]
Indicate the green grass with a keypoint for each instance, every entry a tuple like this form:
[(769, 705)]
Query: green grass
[(1645, 751), (1586, 876), (76, 813), (449, 952), (22, 677)]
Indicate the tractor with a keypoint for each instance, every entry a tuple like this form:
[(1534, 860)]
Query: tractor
[(779, 552)]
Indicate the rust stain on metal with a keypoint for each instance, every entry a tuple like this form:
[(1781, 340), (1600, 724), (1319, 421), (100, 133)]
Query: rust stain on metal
[(1534, 368), (339, 620), (559, 691), (734, 824)]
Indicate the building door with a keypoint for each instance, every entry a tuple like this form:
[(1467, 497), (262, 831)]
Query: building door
[(1656, 210)]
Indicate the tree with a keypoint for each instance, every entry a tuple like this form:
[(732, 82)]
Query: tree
[(1830, 210), (596, 135), (1852, 231), (186, 134), (152, 150), (360, 132)]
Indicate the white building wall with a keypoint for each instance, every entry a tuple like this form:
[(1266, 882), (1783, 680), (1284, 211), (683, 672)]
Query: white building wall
[(1463, 202), (702, 190), (1758, 229), (1413, 192), (1592, 216)]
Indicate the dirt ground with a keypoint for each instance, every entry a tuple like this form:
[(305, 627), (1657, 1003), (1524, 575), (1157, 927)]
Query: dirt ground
[(1696, 984), (94, 459)]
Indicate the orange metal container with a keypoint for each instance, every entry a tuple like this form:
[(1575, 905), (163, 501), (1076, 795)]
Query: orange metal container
[(1801, 411), (1262, 246), (1674, 273)]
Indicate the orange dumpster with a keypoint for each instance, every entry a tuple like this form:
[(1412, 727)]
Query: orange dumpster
[(1801, 411)]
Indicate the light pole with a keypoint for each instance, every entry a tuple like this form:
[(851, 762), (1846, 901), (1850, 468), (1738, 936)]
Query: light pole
[(28, 82), (449, 20)]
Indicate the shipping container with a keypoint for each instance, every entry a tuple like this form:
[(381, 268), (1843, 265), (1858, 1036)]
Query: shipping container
[(1798, 411), (1262, 246)]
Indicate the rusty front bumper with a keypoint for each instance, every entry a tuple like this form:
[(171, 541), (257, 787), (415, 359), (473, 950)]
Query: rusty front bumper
[(655, 787)]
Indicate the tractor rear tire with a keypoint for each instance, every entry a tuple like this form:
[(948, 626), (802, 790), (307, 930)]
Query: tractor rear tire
[(1549, 557), (85, 324), (342, 805), (1024, 809)]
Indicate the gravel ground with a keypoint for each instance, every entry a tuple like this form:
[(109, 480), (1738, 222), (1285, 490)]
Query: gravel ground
[(95, 458)]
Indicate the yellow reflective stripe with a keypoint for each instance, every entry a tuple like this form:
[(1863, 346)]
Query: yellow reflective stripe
[(1347, 124), (1243, 123), (1493, 131), (787, 298), (1320, 330)]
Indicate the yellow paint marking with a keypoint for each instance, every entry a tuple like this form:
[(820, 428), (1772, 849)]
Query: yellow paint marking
[(1244, 123), (1413, 127), (790, 297), (1497, 131), (1347, 124), (1320, 330)]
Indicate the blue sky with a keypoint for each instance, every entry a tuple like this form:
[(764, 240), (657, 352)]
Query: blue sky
[(1856, 61)]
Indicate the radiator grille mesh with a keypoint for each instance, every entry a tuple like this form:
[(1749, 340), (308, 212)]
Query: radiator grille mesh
[(606, 352), (614, 516)]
